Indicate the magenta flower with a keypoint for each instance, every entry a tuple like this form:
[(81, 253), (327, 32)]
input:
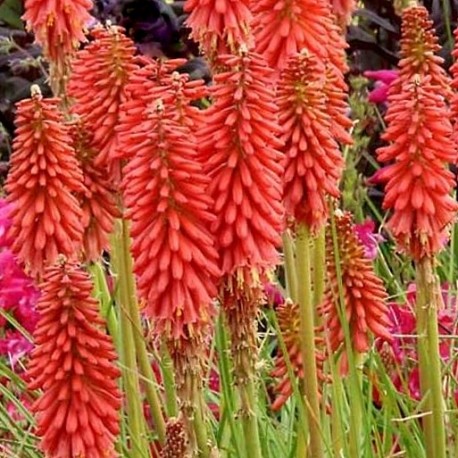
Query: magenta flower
[(400, 356), (5, 223), (14, 346), (369, 239), (383, 80)]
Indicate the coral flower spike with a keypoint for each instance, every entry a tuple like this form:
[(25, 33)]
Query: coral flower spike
[(364, 293), (313, 162), (73, 364), (59, 27), (220, 26), (418, 182), (43, 180), (100, 73), (166, 200)]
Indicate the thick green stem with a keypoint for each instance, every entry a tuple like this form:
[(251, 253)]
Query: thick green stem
[(290, 266), (428, 302), (307, 334), (319, 267), (125, 297), (147, 372), (171, 404)]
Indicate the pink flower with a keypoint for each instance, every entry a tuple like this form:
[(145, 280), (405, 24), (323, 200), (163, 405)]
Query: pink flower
[(5, 223), (383, 80), (369, 239), (14, 346)]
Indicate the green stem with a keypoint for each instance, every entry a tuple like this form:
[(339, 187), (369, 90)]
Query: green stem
[(307, 334), (126, 296), (147, 372), (168, 378), (319, 268), (290, 266), (224, 365), (102, 294), (428, 303)]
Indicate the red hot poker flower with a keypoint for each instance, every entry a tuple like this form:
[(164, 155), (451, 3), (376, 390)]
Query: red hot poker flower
[(98, 82), (58, 25), (454, 84), (42, 183), (365, 296), (288, 321), (220, 26), (418, 182), (418, 47), (166, 197), (313, 162), (77, 412), (285, 27), (98, 201), (240, 145)]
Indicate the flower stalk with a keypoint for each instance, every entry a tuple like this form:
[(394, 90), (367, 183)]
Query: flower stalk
[(307, 333), (428, 302), (122, 264)]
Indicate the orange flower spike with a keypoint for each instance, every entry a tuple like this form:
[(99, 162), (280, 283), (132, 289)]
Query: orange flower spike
[(454, 84), (313, 162), (98, 82), (98, 201), (241, 147), (58, 25), (42, 182), (418, 47), (418, 182), (288, 322), (73, 364), (285, 27), (165, 193), (220, 26), (364, 293), (343, 9)]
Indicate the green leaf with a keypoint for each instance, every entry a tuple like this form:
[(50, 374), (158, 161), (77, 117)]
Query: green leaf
[(11, 12)]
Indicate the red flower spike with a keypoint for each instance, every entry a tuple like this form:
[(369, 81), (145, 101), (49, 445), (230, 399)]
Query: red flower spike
[(176, 442), (240, 145), (418, 47), (58, 25), (313, 162), (98, 82), (42, 182), (285, 27), (220, 26), (343, 9), (73, 365), (364, 293), (165, 193), (454, 84), (159, 80), (288, 321), (418, 182), (98, 201)]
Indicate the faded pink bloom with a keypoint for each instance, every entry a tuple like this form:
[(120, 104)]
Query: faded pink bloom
[(369, 239), (383, 80)]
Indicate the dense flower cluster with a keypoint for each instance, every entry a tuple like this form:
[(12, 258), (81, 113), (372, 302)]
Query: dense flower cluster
[(58, 25), (363, 292), (73, 363), (167, 202), (418, 183), (98, 200), (220, 26), (313, 162), (100, 73), (288, 321), (42, 182)]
